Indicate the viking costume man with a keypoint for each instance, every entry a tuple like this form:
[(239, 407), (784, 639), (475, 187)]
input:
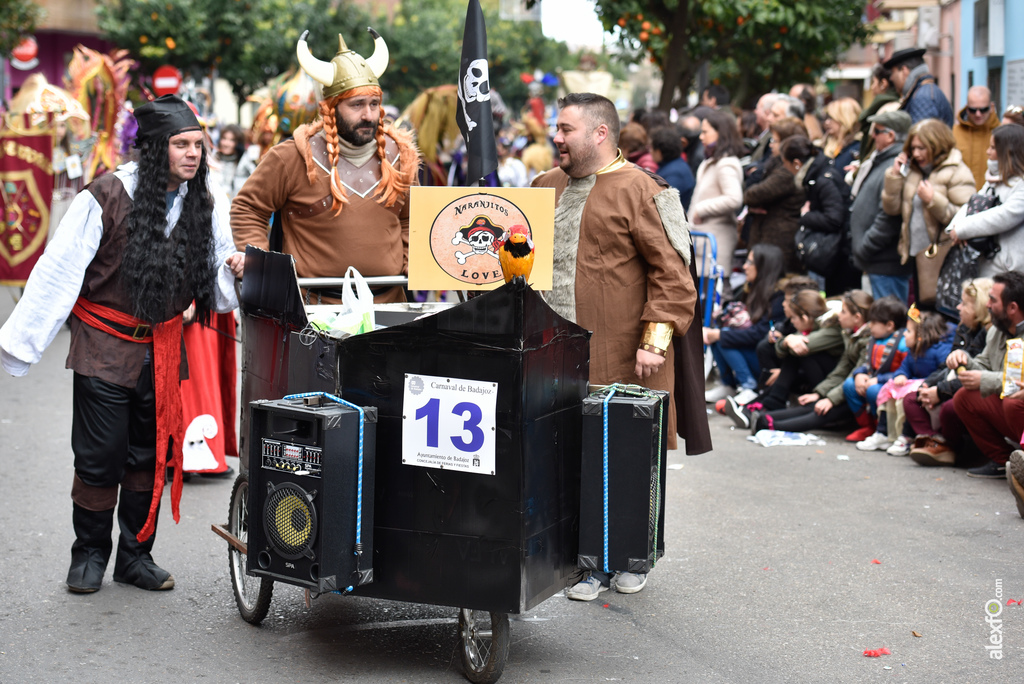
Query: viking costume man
[(341, 185), (134, 250)]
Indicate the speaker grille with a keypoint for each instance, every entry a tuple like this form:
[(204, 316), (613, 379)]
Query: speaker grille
[(290, 521)]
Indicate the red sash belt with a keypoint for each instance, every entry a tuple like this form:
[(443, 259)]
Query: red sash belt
[(170, 424)]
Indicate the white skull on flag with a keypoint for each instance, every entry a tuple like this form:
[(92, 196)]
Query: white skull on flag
[(475, 87)]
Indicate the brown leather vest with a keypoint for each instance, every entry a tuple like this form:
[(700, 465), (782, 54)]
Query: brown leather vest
[(93, 352)]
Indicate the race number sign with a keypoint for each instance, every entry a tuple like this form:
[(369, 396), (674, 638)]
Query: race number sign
[(448, 423)]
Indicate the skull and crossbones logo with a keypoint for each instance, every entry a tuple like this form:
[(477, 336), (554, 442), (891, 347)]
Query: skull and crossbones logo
[(480, 236), (475, 87)]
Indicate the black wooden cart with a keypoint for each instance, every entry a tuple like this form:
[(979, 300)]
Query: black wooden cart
[(488, 544)]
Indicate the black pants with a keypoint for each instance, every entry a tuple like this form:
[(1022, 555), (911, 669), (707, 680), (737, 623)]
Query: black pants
[(768, 359), (113, 432), (797, 372), (804, 419)]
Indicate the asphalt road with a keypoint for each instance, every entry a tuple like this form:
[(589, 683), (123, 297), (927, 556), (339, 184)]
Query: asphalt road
[(769, 577)]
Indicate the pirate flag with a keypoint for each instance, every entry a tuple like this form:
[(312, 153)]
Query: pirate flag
[(474, 114)]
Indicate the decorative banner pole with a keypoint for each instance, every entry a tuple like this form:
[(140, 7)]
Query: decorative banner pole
[(474, 114), (26, 183)]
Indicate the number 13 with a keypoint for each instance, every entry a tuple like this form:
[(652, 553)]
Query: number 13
[(431, 411)]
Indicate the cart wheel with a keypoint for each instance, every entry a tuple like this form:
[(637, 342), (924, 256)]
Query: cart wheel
[(485, 638), (252, 594)]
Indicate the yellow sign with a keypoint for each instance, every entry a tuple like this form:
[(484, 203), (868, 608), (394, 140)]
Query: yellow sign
[(453, 234)]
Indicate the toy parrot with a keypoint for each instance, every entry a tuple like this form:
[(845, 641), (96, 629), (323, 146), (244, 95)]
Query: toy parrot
[(515, 252)]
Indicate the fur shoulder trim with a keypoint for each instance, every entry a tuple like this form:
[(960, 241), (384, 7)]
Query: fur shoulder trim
[(301, 137), (408, 153), (568, 216), (673, 218)]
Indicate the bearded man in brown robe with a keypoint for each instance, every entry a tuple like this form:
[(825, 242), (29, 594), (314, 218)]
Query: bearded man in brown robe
[(622, 269)]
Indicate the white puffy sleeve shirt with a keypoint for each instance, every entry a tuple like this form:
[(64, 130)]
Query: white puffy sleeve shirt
[(56, 280)]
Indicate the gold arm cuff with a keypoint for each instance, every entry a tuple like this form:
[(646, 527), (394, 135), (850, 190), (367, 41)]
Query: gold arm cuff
[(657, 337)]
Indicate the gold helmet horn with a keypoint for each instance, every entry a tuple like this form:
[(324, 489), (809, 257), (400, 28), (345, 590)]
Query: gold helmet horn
[(347, 70)]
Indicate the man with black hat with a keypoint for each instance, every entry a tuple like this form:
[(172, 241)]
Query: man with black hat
[(136, 248), (921, 96), (340, 187)]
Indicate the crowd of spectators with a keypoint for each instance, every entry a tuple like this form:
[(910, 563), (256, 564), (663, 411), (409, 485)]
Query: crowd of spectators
[(924, 203)]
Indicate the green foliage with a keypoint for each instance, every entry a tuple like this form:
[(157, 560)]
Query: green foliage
[(752, 45), (18, 18), (248, 42), (425, 40)]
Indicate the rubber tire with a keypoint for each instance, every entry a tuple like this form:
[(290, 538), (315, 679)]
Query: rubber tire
[(252, 594), (484, 647)]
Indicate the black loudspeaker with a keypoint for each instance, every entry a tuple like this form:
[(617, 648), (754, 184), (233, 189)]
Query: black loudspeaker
[(305, 504), (622, 512)]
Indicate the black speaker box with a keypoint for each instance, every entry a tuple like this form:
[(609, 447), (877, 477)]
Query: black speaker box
[(622, 521), (304, 500)]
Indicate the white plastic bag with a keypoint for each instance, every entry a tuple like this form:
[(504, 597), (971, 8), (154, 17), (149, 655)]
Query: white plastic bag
[(356, 315)]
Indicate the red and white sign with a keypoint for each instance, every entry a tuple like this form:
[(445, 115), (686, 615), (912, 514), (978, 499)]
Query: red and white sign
[(166, 80), (26, 55)]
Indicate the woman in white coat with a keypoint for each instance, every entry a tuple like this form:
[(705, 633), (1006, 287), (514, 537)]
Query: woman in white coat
[(718, 194), (1005, 221)]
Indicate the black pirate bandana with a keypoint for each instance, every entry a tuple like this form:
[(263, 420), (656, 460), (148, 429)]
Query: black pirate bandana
[(163, 117)]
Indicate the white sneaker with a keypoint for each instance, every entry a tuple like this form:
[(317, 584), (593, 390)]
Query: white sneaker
[(629, 582), (718, 392), (875, 442), (901, 447), (587, 590), (745, 396)]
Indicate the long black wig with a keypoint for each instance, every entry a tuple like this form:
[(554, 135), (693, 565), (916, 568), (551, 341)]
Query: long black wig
[(158, 271)]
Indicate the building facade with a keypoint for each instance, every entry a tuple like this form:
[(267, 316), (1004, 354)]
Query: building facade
[(991, 51)]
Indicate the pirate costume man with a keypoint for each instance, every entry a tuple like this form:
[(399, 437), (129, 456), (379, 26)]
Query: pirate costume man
[(134, 250), (340, 187)]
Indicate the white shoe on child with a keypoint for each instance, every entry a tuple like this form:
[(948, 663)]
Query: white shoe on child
[(745, 396), (875, 442), (901, 447)]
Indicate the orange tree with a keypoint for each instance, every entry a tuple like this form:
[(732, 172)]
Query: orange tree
[(18, 18), (751, 45)]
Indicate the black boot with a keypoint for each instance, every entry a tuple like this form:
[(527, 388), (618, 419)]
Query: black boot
[(133, 564), (91, 550)]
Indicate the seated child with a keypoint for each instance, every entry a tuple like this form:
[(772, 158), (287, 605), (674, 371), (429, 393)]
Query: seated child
[(809, 353), (825, 406), (766, 356), (930, 339), (884, 354)]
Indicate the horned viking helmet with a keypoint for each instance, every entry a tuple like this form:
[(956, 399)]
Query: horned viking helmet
[(347, 70)]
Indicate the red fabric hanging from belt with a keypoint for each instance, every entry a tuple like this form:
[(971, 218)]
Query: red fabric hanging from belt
[(170, 424)]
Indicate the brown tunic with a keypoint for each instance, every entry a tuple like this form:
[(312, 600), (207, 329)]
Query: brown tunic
[(627, 273), (367, 235)]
